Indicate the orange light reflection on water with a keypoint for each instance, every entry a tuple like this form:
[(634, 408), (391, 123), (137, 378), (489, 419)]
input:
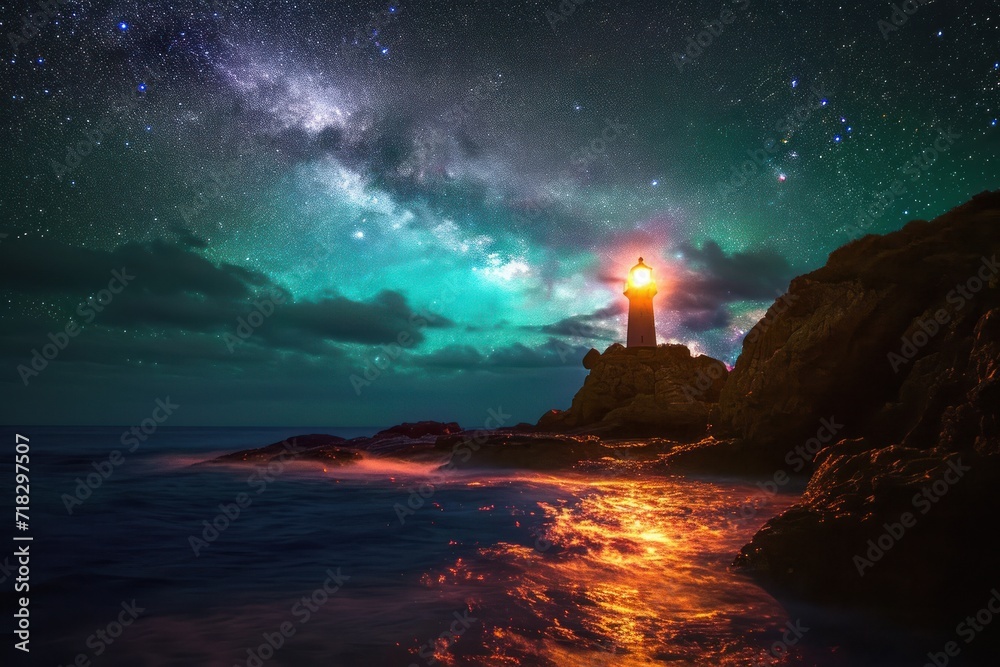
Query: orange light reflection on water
[(636, 574)]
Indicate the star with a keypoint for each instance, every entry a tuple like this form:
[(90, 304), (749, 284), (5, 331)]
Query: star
[(297, 129)]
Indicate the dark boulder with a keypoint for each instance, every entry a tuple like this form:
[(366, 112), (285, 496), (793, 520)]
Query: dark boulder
[(419, 429), (294, 447)]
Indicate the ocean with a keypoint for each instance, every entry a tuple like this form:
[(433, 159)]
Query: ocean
[(168, 562)]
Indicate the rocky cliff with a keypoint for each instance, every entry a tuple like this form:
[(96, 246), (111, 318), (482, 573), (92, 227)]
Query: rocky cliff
[(643, 391), (896, 343), (879, 338)]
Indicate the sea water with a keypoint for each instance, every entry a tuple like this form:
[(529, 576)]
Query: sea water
[(386, 562)]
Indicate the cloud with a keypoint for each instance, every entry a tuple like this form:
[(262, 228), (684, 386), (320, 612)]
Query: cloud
[(706, 320), (742, 276), (43, 266), (110, 347), (380, 320), (175, 290), (595, 325), (711, 280)]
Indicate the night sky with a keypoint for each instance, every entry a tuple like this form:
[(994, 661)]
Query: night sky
[(469, 181)]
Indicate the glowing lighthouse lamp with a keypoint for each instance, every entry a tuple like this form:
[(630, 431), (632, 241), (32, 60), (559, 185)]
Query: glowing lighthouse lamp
[(640, 290)]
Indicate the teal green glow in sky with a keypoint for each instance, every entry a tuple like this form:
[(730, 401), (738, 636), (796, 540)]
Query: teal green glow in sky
[(458, 172)]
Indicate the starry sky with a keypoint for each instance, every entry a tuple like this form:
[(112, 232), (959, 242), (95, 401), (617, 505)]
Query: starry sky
[(431, 206)]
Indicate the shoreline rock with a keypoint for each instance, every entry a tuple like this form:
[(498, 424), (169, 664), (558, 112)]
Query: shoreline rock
[(898, 338), (450, 446), (642, 391)]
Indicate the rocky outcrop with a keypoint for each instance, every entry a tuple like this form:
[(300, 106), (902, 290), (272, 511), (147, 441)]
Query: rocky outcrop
[(419, 429), (878, 338), (407, 440), (643, 391), (519, 450), (448, 445), (313, 446), (899, 531), (543, 451), (897, 339)]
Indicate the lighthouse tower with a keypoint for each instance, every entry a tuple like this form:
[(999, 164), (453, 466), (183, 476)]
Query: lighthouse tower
[(640, 290)]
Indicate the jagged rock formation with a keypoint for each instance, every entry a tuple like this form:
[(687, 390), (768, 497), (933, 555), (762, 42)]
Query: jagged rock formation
[(643, 391), (525, 451), (420, 429), (449, 446), (907, 533), (898, 339), (400, 440), (316, 446), (878, 338)]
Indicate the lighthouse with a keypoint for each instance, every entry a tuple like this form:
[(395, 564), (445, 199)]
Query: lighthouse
[(640, 290)]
